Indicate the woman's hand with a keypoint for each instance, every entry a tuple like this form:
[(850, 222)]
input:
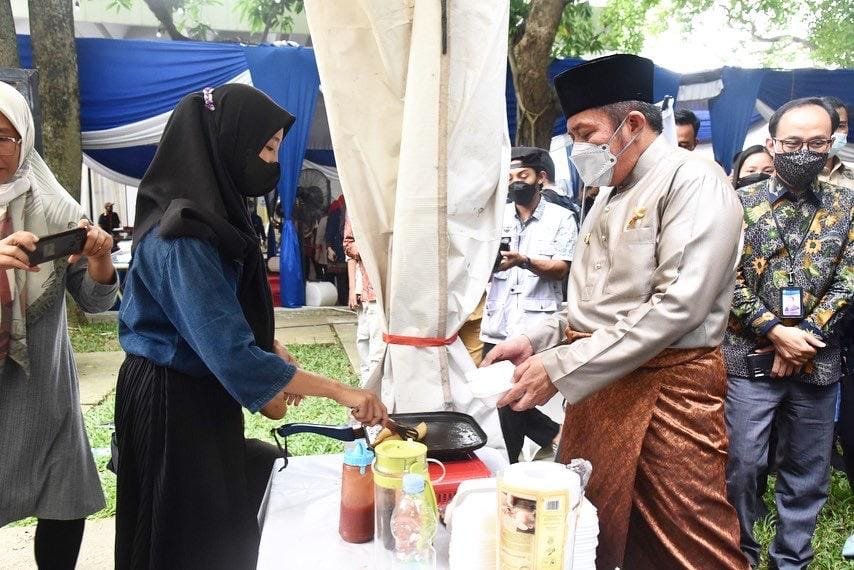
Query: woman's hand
[(97, 249), (99, 244), (14, 248), (276, 408), (364, 406), (283, 353)]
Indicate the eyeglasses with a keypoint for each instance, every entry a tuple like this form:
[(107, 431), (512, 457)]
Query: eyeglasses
[(7, 145), (794, 145)]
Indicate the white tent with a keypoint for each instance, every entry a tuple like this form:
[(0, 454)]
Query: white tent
[(416, 109)]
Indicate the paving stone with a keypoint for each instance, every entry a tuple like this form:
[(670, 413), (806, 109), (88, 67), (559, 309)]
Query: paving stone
[(98, 372)]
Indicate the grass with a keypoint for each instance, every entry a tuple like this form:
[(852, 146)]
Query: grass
[(835, 523), (95, 337), (329, 360)]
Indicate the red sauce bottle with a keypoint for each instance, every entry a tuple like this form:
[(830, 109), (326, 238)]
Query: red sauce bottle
[(356, 522)]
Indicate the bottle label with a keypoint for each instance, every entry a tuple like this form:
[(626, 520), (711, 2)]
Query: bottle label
[(532, 529)]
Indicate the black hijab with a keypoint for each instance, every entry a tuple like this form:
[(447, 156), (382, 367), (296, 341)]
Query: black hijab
[(197, 184)]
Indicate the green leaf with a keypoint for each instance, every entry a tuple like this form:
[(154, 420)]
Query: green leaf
[(119, 5), (270, 15)]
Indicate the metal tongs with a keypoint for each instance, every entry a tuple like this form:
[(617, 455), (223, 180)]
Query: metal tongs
[(403, 430)]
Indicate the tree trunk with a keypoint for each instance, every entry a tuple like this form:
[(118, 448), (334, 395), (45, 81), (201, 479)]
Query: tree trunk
[(8, 42), (163, 13), (536, 102), (55, 57)]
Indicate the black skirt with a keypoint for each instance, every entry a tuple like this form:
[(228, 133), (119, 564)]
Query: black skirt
[(189, 484)]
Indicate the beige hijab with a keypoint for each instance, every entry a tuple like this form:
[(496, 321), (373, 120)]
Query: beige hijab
[(32, 200)]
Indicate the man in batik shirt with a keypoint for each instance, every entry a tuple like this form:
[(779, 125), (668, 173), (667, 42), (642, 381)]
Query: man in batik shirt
[(794, 281)]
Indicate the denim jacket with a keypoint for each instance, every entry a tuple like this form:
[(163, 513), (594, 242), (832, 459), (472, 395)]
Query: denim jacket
[(180, 310)]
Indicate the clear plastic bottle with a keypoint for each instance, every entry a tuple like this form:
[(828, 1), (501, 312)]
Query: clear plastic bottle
[(413, 525)]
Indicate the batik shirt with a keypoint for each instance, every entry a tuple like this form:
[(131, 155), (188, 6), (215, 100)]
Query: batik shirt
[(823, 267)]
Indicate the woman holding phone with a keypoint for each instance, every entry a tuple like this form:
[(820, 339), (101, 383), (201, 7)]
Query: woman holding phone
[(46, 465), (197, 324)]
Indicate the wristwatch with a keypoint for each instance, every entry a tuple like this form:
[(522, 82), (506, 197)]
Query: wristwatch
[(526, 264)]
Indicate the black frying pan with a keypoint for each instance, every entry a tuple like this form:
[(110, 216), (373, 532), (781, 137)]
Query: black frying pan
[(449, 434)]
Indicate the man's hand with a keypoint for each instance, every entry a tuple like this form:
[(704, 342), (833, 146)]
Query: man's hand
[(783, 368), (510, 259), (532, 387), (517, 350), (793, 344)]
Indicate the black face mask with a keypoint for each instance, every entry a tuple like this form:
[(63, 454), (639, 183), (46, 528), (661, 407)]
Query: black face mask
[(798, 169), (751, 179), (522, 193), (258, 177)]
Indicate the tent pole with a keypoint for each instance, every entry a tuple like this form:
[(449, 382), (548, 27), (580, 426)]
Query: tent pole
[(442, 209), (91, 200)]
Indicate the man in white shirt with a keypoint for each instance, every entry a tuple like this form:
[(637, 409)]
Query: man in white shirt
[(835, 171), (527, 286)]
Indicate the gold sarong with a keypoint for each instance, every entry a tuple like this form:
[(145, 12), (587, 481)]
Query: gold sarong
[(658, 445)]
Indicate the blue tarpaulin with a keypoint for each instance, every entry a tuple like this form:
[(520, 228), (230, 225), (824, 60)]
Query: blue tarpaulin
[(665, 83), (299, 98), (731, 112), (124, 82), (127, 82)]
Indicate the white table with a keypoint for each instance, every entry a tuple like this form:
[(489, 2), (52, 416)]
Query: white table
[(299, 517)]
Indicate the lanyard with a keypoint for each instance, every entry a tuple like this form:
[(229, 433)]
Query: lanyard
[(786, 245)]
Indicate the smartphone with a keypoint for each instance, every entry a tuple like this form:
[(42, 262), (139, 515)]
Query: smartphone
[(58, 245), (503, 246), (760, 364)]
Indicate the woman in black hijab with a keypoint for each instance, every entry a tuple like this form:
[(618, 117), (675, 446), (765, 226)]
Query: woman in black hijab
[(197, 324), (753, 164)]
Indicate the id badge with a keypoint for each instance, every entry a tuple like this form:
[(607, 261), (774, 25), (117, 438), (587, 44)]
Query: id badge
[(792, 302)]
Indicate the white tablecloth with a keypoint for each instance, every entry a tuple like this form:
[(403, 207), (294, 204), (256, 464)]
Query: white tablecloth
[(299, 519)]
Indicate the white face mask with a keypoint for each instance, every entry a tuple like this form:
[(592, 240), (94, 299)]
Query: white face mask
[(839, 142), (595, 162)]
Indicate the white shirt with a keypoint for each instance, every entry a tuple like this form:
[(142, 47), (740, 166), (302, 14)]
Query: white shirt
[(519, 298)]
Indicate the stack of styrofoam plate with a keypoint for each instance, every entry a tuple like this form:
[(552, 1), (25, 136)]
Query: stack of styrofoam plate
[(471, 517), (472, 520), (586, 538)]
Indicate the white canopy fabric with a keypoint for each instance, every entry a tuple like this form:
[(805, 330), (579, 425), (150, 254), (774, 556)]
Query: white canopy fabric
[(422, 149)]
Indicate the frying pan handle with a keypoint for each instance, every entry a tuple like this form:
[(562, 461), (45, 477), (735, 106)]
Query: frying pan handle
[(342, 433)]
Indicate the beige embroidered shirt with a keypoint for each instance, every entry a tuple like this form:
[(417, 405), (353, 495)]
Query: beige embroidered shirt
[(654, 268), (839, 174)]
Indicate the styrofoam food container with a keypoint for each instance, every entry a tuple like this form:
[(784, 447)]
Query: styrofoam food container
[(491, 382)]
